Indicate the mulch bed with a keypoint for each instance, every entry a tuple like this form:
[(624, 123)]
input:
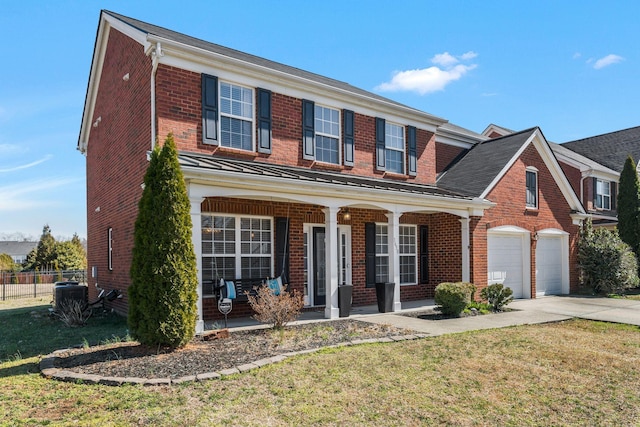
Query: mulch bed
[(130, 359)]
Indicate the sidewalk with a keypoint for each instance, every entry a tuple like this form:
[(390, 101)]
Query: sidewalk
[(526, 312)]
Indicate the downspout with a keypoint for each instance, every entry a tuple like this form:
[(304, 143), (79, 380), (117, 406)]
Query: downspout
[(156, 53)]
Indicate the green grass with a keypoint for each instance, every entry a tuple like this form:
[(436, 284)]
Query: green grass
[(571, 373)]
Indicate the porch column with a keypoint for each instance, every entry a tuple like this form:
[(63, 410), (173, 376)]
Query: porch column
[(466, 266), (331, 252), (196, 238), (394, 256)]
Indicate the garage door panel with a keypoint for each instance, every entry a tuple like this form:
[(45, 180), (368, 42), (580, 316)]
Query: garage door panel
[(505, 262), (549, 265)]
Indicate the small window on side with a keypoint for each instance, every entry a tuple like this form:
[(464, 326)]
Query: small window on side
[(532, 188)]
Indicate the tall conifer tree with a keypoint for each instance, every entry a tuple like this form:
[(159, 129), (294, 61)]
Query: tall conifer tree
[(629, 206), (163, 293)]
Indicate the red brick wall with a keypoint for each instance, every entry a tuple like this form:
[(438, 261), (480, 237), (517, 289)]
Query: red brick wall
[(116, 160), (574, 176), (445, 154), (509, 194), (179, 111)]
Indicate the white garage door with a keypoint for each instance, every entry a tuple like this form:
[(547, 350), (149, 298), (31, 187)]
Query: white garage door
[(549, 265), (505, 262)]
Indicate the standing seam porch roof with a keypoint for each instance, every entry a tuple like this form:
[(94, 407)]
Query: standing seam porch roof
[(240, 167)]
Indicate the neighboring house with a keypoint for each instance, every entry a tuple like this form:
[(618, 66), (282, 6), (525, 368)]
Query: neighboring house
[(301, 176), (593, 166), (17, 250), (599, 175)]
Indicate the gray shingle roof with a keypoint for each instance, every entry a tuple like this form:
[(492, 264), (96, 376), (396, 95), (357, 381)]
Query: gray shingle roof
[(473, 172), (252, 59), (609, 149), (14, 248), (241, 168)]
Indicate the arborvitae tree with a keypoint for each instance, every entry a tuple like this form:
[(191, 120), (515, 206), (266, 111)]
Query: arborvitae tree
[(45, 251), (629, 206), (163, 292)]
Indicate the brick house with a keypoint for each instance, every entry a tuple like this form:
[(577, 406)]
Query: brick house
[(297, 175)]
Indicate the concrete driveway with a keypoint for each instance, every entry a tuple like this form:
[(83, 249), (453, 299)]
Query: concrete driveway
[(526, 312), (585, 307)]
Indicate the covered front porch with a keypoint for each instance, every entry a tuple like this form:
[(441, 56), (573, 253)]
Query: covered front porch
[(319, 230)]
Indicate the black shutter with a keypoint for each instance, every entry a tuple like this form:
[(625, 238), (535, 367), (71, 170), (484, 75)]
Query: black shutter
[(424, 254), (411, 143), (380, 144), (370, 254), (282, 249), (209, 109), (308, 130), (595, 192), (264, 121), (614, 195), (347, 135)]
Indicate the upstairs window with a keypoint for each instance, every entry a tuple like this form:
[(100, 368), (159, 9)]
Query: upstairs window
[(323, 135), (394, 147), (327, 133), (532, 188), (603, 194), (231, 113), (236, 116)]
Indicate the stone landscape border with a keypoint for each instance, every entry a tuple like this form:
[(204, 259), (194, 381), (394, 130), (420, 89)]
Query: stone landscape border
[(49, 370)]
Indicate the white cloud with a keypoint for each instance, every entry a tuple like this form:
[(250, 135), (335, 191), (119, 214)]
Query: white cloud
[(576, 55), (29, 165), (607, 60), (448, 68)]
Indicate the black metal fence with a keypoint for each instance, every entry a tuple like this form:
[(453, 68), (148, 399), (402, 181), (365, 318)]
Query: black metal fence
[(33, 284)]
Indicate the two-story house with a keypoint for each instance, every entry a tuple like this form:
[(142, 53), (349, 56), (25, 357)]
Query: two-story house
[(295, 175)]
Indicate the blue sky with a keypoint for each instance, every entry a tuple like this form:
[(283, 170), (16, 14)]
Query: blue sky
[(570, 67)]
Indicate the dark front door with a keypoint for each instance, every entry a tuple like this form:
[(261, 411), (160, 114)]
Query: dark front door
[(319, 266)]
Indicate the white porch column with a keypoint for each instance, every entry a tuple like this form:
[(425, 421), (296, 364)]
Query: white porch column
[(331, 253), (196, 238), (394, 256), (466, 264)]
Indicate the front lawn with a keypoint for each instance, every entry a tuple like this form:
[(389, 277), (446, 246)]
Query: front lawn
[(571, 373)]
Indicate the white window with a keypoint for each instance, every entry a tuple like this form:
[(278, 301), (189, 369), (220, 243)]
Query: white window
[(603, 194), (408, 254), (110, 249), (407, 246), (236, 116), (532, 188), (394, 148), (382, 253), (236, 247), (327, 129)]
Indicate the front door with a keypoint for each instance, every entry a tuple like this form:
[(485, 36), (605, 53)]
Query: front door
[(319, 267), (316, 262)]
